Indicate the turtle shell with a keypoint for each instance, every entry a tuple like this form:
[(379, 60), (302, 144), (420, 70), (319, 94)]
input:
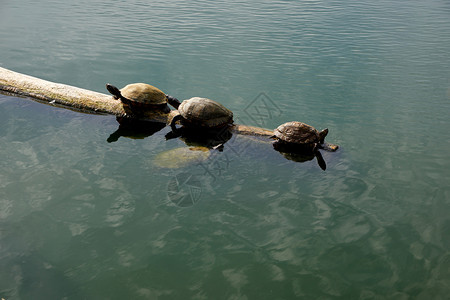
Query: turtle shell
[(297, 133), (143, 93), (205, 112)]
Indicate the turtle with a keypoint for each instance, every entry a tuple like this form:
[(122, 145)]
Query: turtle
[(300, 134), (200, 112), (138, 97), (300, 138)]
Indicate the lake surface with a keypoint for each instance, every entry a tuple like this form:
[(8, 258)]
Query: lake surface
[(82, 217)]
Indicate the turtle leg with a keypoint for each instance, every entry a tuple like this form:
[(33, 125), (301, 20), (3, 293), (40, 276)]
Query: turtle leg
[(173, 135), (320, 160), (174, 120), (114, 137), (278, 144)]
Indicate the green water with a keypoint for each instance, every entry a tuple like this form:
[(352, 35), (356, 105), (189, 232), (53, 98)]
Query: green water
[(82, 218)]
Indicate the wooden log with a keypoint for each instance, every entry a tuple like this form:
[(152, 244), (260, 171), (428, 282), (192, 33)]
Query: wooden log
[(92, 102), (66, 95), (86, 100)]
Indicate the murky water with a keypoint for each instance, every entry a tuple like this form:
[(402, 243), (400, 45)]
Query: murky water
[(82, 217)]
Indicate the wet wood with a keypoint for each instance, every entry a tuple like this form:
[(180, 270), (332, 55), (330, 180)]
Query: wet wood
[(251, 130)]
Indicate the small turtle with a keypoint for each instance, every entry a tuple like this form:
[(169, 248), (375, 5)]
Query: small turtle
[(200, 112), (303, 139), (141, 96), (300, 134)]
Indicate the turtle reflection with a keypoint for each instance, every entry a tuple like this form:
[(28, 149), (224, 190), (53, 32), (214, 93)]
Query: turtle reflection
[(300, 154), (212, 138), (134, 129)]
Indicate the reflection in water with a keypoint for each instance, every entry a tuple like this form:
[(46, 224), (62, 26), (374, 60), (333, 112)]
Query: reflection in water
[(212, 138), (118, 224), (134, 129), (300, 154)]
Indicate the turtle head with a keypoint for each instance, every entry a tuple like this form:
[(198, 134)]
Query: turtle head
[(173, 101), (114, 91), (322, 135)]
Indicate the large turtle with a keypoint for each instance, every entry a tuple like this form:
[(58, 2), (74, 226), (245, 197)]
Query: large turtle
[(300, 134), (138, 97), (200, 112)]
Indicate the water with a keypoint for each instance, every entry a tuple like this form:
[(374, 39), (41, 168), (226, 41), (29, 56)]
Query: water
[(81, 218)]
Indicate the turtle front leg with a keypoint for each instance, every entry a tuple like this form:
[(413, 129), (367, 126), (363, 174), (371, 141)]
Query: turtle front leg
[(174, 120), (318, 155), (320, 160)]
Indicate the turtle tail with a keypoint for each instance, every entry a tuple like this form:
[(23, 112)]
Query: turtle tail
[(114, 91), (322, 135)]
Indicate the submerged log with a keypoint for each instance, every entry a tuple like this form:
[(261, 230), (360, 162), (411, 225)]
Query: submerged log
[(89, 101)]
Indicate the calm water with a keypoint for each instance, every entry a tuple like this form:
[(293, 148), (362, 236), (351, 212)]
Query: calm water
[(81, 218)]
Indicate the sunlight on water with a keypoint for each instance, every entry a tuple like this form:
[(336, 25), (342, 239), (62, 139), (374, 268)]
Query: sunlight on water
[(89, 211)]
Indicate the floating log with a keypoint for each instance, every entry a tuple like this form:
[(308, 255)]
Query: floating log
[(91, 102), (85, 100), (66, 95)]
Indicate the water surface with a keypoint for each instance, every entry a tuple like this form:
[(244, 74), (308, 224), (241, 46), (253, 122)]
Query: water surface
[(84, 218)]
